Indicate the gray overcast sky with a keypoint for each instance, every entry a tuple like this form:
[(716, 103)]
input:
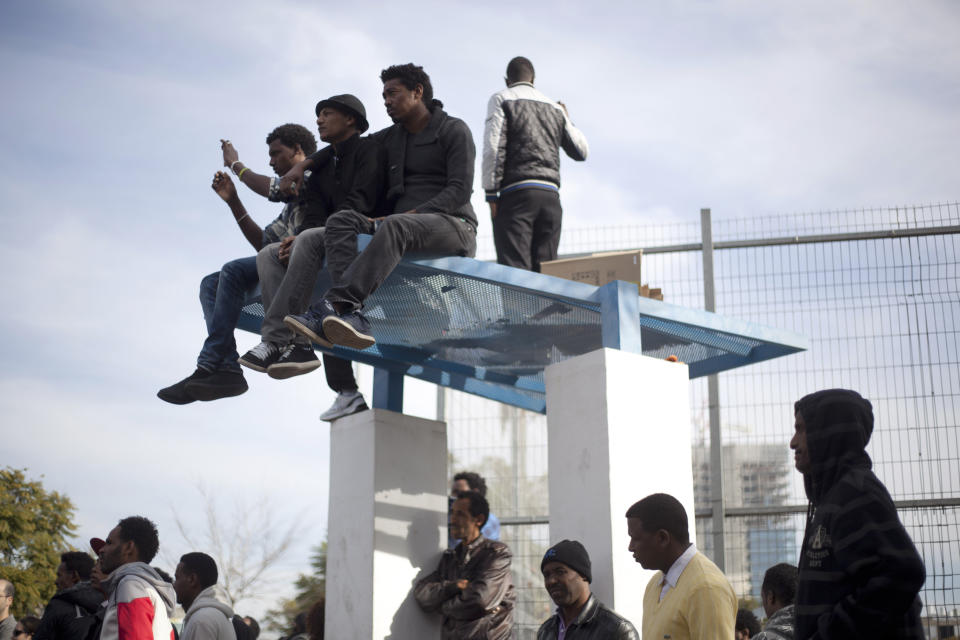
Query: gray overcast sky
[(112, 113)]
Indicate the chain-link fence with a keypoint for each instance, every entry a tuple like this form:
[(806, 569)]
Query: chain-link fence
[(875, 290)]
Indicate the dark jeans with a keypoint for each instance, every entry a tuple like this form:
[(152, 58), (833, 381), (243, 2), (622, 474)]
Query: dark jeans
[(356, 277), (222, 296), (526, 230)]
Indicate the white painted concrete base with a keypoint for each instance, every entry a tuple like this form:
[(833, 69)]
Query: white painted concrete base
[(619, 430), (387, 523)]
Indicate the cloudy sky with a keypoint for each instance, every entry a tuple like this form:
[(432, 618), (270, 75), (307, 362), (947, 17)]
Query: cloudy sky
[(109, 133)]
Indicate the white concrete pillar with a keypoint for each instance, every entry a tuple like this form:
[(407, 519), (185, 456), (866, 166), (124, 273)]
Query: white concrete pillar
[(387, 522), (619, 430)]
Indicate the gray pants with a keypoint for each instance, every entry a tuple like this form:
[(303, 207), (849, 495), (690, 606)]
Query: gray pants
[(355, 276), (287, 289)]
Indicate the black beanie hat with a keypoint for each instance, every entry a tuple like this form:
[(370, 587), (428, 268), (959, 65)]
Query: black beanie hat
[(572, 554)]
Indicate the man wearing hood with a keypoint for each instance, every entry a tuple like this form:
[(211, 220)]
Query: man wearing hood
[(859, 573), (209, 614), (139, 601), (68, 614)]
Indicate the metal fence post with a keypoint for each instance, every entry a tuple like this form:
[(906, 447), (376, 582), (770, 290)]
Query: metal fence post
[(713, 402)]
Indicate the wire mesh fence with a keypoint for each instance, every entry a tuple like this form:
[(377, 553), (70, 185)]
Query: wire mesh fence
[(875, 290)]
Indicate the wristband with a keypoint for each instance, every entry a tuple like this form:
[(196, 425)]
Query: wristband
[(240, 175), (231, 166), (246, 215)]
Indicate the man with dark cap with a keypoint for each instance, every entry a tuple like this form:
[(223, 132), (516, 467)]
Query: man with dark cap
[(347, 174), (859, 573), (430, 156), (580, 616), (473, 587)]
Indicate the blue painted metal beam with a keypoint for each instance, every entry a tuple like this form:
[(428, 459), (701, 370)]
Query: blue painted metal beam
[(491, 330), (388, 389), (620, 320)]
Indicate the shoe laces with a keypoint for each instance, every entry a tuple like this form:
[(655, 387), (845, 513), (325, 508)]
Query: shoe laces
[(263, 350), (287, 349)]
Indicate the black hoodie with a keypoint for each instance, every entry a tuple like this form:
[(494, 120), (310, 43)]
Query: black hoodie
[(859, 571), (70, 613)]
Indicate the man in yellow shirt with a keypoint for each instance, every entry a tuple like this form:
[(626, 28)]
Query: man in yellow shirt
[(688, 597)]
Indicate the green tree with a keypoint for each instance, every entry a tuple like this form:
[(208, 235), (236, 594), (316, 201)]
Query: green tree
[(310, 588), (34, 527)]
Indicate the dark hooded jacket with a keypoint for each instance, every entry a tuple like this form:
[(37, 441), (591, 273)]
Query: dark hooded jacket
[(860, 572), (69, 614)]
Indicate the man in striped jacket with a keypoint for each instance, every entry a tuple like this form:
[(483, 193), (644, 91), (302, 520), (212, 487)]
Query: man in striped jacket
[(139, 601), (522, 138), (860, 574)]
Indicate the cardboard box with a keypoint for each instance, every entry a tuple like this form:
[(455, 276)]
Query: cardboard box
[(597, 268)]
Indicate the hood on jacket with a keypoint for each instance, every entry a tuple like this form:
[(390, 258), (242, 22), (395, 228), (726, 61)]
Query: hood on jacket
[(81, 594), (213, 597), (839, 424), (146, 573)]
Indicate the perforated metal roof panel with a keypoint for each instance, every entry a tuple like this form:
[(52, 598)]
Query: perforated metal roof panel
[(491, 330)]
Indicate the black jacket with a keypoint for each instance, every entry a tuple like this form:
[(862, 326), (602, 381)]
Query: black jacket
[(349, 175), (445, 156), (595, 622), (522, 138), (859, 570), (70, 613), (482, 611)]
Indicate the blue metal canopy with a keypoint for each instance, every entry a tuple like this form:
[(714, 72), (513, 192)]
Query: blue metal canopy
[(491, 330)]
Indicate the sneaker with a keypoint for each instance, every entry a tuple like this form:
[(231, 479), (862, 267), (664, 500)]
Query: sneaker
[(219, 384), (351, 329), (310, 322), (177, 394), (260, 357), (295, 359), (346, 404)]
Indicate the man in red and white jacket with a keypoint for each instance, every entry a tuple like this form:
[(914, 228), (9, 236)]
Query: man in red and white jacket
[(139, 601)]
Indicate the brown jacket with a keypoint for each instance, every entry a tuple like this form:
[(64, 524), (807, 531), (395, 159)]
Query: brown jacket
[(484, 610)]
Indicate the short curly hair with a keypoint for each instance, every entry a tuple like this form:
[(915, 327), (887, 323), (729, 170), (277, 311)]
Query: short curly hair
[(291, 135), (144, 535), (411, 75), (474, 480), (78, 561), (478, 505)]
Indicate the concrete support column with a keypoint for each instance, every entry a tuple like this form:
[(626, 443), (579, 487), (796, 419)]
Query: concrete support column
[(387, 523), (619, 430)]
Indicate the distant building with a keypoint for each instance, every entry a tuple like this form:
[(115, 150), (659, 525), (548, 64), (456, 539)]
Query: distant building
[(754, 475)]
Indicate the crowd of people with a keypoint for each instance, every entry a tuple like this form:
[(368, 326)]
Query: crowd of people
[(409, 186), (117, 595), (858, 576)]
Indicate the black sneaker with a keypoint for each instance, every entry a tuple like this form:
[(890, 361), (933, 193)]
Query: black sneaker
[(177, 394), (260, 357), (219, 384), (295, 359), (351, 329), (310, 322)]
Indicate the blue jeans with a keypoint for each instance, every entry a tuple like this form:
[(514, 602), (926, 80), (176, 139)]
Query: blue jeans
[(222, 296)]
